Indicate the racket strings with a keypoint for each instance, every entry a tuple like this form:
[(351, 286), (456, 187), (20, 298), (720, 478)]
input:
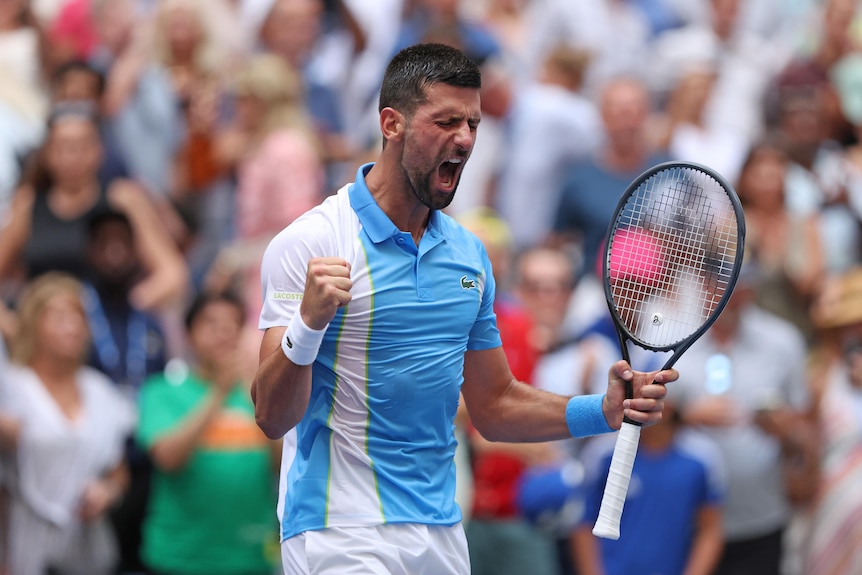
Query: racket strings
[(671, 255)]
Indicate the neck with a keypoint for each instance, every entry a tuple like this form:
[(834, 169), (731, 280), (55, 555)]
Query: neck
[(765, 212), (113, 290), (70, 200), (724, 333), (658, 437), (445, 17), (53, 370), (391, 191), (207, 371), (183, 58), (10, 22), (724, 32), (74, 188), (295, 58), (626, 157), (804, 153)]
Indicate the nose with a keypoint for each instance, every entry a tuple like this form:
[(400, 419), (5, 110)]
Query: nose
[(72, 324), (465, 137)]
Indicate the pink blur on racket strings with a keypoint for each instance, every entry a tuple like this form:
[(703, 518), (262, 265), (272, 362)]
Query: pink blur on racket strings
[(636, 256)]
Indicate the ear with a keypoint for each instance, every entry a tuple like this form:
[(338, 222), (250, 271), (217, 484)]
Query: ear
[(392, 124)]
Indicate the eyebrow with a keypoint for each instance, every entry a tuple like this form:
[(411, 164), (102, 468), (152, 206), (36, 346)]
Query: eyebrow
[(444, 116)]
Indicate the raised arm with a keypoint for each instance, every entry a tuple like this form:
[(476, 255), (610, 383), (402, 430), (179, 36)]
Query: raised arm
[(172, 451), (123, 77), (282, 385), (15, 231), (167, 275)]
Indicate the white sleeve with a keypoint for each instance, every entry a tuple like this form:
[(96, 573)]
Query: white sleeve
[(285, 263)]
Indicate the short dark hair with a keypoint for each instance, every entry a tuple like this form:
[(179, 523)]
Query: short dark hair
[(205, 298), (420, 65), (75, 65), (104, 216)]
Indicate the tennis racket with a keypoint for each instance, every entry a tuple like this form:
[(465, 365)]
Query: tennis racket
[(671, 259)]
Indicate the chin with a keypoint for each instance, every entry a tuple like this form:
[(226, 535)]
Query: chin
[(444, 198), (440, 204), (71, 357)]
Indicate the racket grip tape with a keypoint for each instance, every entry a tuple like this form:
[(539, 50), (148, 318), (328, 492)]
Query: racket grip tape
[(608, 524)]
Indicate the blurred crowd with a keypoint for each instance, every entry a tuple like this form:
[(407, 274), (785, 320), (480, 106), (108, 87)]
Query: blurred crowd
[(150, 149)]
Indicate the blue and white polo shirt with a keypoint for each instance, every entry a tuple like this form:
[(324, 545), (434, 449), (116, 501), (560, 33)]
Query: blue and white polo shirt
[(376, 444)]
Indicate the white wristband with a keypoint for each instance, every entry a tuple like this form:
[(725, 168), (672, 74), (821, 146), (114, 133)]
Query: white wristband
[(300, 343)]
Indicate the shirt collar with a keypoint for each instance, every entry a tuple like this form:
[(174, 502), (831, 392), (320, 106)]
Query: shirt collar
[(374, 220)]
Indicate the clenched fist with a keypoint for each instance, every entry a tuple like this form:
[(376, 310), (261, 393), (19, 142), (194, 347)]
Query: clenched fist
[(327, 288)]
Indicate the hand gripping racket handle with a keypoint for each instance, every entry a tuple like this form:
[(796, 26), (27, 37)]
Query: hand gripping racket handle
[(608, 524)]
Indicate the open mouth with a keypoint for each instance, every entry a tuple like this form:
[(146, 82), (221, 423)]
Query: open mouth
[(448, 173)]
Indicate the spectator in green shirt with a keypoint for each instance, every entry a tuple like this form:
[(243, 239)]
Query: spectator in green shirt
[(214, 488)]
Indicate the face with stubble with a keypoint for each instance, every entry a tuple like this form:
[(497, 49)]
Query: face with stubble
[(438, 140)]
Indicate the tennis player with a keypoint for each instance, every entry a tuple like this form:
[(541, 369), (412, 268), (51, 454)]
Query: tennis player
[(377, 313)]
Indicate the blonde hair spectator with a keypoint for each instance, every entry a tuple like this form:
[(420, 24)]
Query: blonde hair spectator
[(63, 429), (280, 174), (278, 89), (567, 66), (34, 298), (184, 33)]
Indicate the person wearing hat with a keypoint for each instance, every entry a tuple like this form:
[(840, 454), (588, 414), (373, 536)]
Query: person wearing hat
[(832, 541)]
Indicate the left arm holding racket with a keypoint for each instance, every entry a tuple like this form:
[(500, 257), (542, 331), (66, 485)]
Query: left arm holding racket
[(504, 409), (672, 256)]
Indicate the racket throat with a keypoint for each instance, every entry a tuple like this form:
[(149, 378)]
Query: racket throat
[(629, 385), (630, 393)]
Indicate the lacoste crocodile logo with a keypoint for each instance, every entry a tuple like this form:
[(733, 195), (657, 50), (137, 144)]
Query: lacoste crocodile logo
[(467, 283)]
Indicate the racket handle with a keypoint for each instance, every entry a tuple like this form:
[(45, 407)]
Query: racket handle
[(608, 524)]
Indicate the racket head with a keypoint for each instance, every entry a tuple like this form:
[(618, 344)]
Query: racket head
[(672, 256)]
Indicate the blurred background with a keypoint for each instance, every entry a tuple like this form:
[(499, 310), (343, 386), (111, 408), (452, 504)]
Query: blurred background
[(150, 149)]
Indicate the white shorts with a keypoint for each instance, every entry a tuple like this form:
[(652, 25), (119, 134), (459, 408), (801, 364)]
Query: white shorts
[(392, 549)]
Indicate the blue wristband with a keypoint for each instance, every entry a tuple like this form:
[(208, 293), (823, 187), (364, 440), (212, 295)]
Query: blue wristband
[(585, 417)]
